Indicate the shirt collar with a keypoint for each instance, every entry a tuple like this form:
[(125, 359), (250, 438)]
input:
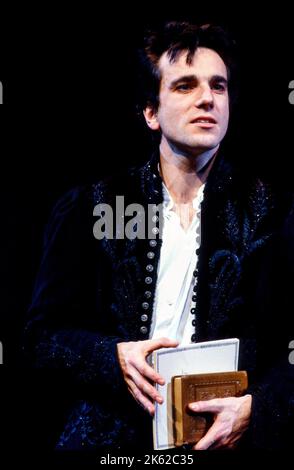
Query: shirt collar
[(168, 202)]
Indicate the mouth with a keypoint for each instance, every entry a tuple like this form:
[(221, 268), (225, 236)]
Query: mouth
[(204, 121)]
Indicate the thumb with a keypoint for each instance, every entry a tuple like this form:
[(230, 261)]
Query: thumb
[(161, 343)]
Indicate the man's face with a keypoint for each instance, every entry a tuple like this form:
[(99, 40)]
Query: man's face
[(193, 110)]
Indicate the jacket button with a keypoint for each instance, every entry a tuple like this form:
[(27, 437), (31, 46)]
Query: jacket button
[(145, 305), (193, 338), (144, 317), (194, 298), (155, 230), (148, 280), (150, 255), (194, 322), (193, 310), (143, 330), (152, 243), (149, 268), (147, 294)]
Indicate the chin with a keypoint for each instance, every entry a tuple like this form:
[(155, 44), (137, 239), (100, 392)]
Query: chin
[(206, 145)]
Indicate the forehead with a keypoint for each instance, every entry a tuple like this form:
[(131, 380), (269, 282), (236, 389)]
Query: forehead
[(205, 63)]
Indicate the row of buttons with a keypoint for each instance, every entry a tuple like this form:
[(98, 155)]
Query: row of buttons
[(148, 281), (194, 299)]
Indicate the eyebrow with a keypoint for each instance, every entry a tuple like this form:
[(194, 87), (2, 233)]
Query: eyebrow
[(193, 78)]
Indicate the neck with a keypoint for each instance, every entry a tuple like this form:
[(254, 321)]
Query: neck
[(184, 175)]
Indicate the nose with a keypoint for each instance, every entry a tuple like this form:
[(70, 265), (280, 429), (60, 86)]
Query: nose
[(204, 97)]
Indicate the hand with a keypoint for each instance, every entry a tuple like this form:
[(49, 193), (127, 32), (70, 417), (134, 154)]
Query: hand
[(138, 374), (232, 417)]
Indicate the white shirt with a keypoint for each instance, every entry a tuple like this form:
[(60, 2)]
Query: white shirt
[(175, 281)]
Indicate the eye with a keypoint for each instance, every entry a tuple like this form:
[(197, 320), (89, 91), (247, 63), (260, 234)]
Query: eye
[(219, 87), (184, 87)]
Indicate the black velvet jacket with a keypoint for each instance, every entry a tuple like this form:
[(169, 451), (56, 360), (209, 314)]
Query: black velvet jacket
[(92, 294)]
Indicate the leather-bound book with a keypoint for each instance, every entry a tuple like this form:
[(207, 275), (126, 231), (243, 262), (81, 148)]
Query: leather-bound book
[(189, 426)]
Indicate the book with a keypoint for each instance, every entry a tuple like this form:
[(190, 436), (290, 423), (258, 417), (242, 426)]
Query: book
[(194, 358), (190, 427)]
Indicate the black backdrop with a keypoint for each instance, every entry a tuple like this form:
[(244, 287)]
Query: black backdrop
[(69, 119)]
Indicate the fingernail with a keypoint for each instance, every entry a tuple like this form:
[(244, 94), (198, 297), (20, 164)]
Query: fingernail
[(160, 399), (194, 406)]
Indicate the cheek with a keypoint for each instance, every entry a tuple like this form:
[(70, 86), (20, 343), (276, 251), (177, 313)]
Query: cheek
[(168, 116), (225, 115)]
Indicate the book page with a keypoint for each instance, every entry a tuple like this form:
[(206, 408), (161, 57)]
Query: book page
[(196, 358)]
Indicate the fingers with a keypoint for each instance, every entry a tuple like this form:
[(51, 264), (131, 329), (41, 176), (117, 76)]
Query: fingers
[(144, 386), (211, 439), (137, 372), (218, 442), (217, 433), (148, 371), (215, 405), (231, 415), (150, 346), (135, 358), (141, 398)]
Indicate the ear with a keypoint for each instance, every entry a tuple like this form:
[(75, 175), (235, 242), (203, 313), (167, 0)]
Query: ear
[(150, 116)]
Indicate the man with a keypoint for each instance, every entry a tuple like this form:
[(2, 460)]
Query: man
[(101, 306)]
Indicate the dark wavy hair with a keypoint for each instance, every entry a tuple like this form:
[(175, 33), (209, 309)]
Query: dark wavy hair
[(174, 38)]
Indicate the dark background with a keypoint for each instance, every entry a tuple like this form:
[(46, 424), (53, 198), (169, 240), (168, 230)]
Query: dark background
[(69, 119)]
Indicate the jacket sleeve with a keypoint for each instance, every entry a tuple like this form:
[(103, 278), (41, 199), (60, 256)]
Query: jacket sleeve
[(272, 414), (272, 418), (61, 332)]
